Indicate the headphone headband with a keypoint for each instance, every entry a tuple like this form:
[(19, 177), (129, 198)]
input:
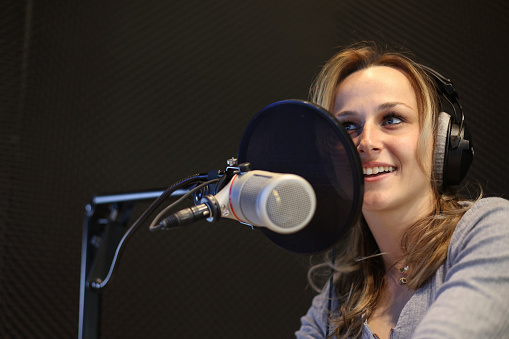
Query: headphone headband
[(454, 153), (448, 92)]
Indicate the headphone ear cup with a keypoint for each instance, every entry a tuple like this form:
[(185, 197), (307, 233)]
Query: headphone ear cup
[(442, 143)]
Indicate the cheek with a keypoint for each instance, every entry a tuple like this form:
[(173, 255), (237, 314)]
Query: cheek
[(415, 158), (407, 151), (426, 156), (424, 153)]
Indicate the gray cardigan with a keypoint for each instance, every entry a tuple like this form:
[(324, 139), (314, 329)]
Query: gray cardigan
[(468, 297)]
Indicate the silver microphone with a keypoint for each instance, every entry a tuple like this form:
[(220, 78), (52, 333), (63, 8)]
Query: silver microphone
[(283, 203)]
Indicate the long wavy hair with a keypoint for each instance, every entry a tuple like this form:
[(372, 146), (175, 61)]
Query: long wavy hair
[(358, 270)]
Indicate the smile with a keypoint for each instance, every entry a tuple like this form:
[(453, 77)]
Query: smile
[(377, 170)]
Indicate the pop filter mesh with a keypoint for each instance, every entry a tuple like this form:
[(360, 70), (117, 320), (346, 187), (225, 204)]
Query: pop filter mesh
[(298, 137)]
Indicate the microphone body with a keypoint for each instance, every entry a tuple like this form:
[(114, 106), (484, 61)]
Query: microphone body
[(283, 203)]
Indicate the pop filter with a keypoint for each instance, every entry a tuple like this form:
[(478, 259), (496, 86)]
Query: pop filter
[(298, 137)]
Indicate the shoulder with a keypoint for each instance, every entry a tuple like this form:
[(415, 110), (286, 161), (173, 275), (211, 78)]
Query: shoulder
[(483, 228), (485, 213), (489, 204), (471, 301)]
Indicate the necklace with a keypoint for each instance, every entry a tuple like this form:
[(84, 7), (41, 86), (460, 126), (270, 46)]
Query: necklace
[(402, 280)]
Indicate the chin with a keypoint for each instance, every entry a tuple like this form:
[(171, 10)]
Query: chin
[(375, 202)]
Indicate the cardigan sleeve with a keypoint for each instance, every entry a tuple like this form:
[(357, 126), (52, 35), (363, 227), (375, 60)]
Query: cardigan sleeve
[(315, 322), (473, 301)]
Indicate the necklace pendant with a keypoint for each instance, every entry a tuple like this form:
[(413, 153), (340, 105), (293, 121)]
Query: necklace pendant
[(403, 280)]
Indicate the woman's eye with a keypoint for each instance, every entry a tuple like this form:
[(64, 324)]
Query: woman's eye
[(349, 126), (393, 120)]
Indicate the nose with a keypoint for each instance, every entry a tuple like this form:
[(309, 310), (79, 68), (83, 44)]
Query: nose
[(368, 141)]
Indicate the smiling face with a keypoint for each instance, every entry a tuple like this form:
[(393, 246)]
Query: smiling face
[(379, 108)]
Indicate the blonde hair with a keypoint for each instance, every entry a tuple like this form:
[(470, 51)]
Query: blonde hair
[(355, 58), (359, 272)]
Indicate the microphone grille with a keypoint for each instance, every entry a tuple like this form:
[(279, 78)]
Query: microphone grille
[(289, 205), (285, 208), (249, 196)]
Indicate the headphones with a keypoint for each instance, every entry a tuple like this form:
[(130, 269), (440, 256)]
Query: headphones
[(454, 151)]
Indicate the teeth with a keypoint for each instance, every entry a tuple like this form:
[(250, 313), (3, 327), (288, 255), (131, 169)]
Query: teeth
[(377, 169)]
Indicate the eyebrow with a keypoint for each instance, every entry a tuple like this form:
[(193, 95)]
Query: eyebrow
[(389, 105), (381, 107)]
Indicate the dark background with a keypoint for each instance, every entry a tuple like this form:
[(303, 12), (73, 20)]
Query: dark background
[(116, 96)]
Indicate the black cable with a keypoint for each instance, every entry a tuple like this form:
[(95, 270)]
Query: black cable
[(331, 286), (129, 233), (154, 226)]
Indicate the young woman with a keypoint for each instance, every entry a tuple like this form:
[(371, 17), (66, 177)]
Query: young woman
[(420, 263)]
